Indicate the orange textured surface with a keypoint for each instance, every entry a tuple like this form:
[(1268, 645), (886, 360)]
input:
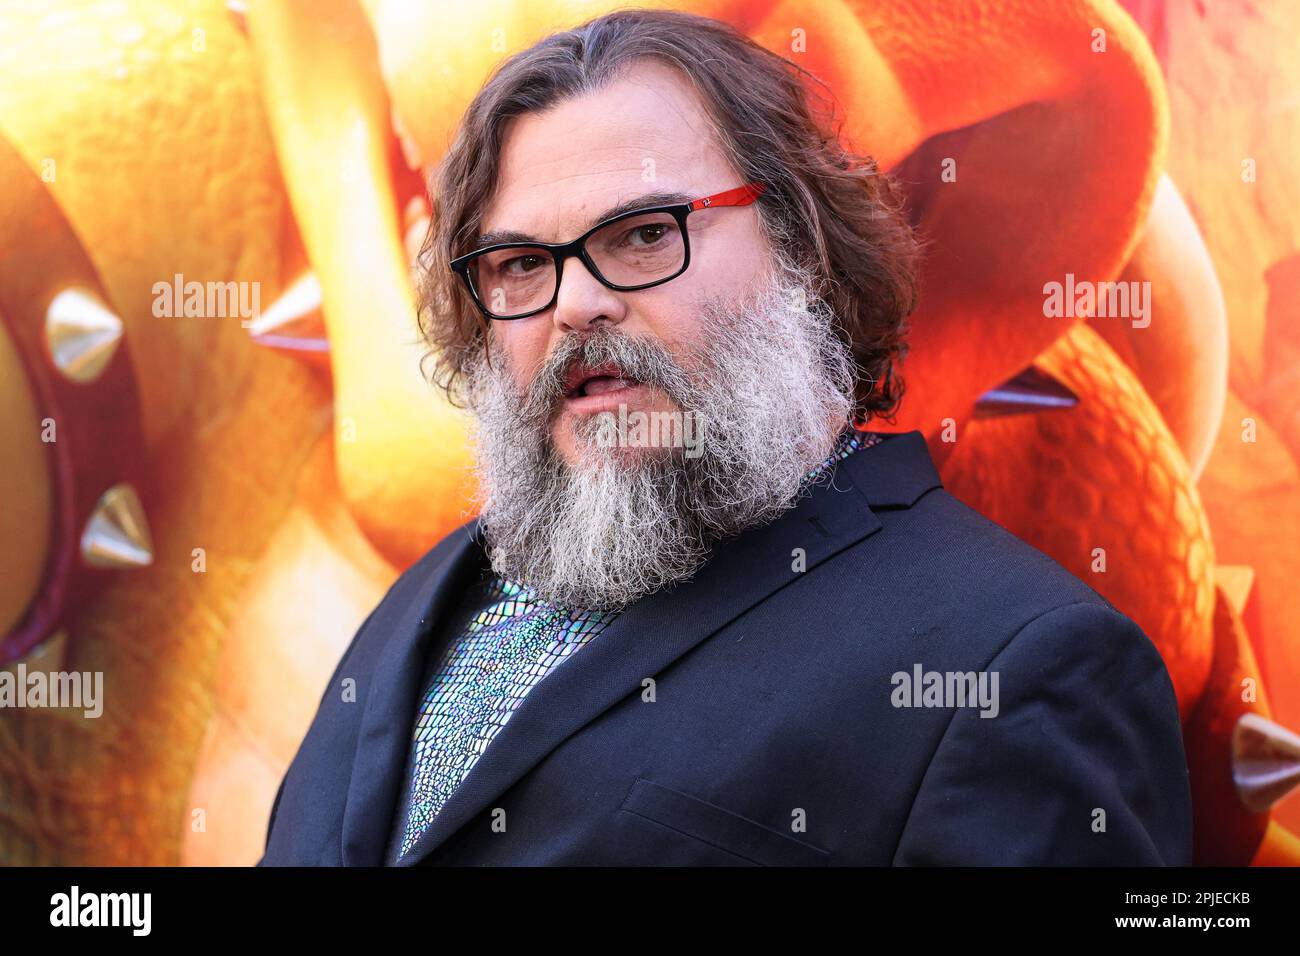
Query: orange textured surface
[(204, 153)]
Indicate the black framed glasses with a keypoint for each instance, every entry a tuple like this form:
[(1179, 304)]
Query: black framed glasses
[(635, 250)]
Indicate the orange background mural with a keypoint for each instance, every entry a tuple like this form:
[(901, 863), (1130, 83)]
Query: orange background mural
[(220, 450)]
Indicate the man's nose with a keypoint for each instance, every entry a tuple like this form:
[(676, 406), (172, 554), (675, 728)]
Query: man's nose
[(583, 300)]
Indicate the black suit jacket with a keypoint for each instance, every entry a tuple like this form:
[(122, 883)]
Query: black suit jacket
[(748, 716)]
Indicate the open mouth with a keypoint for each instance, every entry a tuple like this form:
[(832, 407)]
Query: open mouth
[(584, 381)]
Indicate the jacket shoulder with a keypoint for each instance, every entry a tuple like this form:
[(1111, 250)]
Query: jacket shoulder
[(976, 555)]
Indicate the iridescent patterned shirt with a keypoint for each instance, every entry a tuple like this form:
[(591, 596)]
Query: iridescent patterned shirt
[(507, 640)]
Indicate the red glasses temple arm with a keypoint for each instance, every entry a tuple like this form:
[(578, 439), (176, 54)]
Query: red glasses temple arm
[(740, 196)]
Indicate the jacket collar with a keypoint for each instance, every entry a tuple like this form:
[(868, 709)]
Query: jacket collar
[(742, 572)]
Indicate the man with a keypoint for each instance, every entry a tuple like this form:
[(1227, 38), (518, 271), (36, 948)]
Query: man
[(702, 617)]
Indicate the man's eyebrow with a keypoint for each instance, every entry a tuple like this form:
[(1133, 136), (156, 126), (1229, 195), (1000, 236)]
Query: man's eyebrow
[(497, 236)]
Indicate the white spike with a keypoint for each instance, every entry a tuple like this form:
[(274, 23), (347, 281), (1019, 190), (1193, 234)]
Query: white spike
[(299, 301), (82, 335), (117, 535), (1265, 761)]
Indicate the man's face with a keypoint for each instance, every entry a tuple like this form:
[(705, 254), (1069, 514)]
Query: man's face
[(738, 351), (560, 171)]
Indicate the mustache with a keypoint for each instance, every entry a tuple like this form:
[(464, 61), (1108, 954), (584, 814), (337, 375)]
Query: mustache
[(639, 357)]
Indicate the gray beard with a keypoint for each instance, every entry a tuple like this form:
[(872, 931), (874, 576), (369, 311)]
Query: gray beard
[(771, 387)]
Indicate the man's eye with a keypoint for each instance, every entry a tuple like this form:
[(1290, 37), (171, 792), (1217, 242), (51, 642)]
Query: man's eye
[(648, 235), (521, 265)]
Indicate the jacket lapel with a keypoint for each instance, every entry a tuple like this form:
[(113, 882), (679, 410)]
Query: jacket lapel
[(384, 738), (742, 572)]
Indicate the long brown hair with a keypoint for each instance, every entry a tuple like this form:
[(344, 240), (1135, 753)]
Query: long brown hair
[(831, 211)]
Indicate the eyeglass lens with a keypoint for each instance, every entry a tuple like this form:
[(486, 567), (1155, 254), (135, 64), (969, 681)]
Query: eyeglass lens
[(628, 252)]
